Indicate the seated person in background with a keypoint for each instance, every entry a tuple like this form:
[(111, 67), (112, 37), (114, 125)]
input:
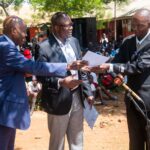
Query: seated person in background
[(96, 89), (34, 88), (106, 83)]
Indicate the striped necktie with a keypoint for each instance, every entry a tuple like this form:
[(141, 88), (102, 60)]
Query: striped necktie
[(137, 45)]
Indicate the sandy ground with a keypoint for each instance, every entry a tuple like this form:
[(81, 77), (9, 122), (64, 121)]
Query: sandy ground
[(109, 133)]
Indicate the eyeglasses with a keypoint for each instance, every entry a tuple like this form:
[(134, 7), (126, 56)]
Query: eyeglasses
[(66, 25)]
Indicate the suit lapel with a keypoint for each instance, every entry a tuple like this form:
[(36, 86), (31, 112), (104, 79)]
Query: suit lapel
[(132, 48), (56, 49), (144, 43), (74, 47), (141, 48)]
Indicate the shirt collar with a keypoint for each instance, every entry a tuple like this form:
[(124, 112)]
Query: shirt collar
[(9, 40), (140, 41), (60, 42)]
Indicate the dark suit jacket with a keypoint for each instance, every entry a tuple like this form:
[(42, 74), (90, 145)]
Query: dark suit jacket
[(58, 100), (14, 110), (136, 64)]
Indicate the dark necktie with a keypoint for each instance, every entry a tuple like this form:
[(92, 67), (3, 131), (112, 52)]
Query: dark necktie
[(137, 46)]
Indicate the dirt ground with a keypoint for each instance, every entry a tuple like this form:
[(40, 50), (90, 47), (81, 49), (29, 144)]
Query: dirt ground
[(109, 133)]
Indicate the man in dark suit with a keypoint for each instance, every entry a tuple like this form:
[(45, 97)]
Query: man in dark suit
[(133, 60), (64, 107), (14, 109)]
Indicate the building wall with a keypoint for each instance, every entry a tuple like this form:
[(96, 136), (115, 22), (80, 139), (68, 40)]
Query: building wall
[(123, 28)]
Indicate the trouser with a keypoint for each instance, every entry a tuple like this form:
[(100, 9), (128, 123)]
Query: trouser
[(32, 102), (70, 124), (7, 138), (137, 127), (32, 105)]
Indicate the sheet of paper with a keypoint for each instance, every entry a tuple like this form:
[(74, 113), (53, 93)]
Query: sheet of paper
[(94, 59), (90, 114)]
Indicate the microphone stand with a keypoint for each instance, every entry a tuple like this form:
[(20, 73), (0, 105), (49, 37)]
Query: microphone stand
[(131, 94)]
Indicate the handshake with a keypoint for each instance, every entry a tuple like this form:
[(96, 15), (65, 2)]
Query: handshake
[(77, 65), (70, 81), (83, 66)]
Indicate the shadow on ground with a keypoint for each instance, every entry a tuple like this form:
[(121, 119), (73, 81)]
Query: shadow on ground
[(18, 148), (112, 107)]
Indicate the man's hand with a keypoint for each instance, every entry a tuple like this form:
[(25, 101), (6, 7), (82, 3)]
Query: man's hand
[(90, 100), (70, 82), (119, 79), (97, 69), (76, 65), (104, 67)]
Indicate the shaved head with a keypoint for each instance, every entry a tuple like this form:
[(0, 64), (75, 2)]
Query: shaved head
[(141, 23), (143, 13), (15, 28), (10, 22), (62, 26)]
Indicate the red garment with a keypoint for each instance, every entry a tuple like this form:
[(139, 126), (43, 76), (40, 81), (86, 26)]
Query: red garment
[(107, 81), (95, 84), (27, 53)]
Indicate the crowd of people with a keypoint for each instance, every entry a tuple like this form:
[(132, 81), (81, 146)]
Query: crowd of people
[(55, 71)]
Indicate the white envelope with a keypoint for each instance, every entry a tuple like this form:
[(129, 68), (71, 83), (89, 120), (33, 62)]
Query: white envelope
[(94, 59), (90, 114)]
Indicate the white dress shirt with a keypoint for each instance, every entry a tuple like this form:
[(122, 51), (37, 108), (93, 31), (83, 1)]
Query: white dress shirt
[(68, 53), (139, 42)]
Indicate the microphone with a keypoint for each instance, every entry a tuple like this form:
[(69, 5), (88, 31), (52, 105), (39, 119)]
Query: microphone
[(119, 80)]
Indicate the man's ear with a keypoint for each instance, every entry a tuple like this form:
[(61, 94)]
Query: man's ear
[(149, 24), (13, 31), (56, 28)]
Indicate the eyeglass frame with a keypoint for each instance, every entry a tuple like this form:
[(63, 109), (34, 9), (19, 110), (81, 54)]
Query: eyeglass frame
[(66, 26)]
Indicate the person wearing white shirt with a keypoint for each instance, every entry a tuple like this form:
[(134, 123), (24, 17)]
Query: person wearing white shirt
[(64, 106), (34, 89)]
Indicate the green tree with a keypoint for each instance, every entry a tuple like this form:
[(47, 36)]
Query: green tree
[(6, 3), (75, 8), (118, 1)]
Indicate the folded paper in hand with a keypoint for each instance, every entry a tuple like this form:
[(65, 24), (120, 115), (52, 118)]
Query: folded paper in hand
[(90, 114), (94, 59)]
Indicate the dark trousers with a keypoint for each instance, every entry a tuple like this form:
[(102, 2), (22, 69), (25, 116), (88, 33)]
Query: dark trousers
[(136, 126), (7, 138)]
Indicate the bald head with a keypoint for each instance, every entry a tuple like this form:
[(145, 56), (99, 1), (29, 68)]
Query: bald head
[(141, 22), (143, 13), (15, 28), (57, 17), (10, 22), (62, 26)]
